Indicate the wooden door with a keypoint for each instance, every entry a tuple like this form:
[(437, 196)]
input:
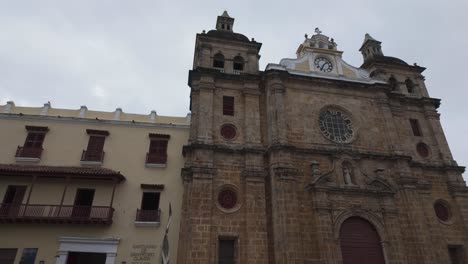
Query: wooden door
[(12, 200), (360, 242), (83, 202)]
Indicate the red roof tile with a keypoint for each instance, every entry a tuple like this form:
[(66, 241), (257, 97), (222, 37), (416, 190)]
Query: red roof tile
[(60, 172)]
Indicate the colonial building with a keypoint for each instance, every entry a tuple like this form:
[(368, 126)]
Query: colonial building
[(81, 186), (314, 160)]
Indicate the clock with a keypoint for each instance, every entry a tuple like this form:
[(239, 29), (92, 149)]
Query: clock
[(336, 126), (323, 64)]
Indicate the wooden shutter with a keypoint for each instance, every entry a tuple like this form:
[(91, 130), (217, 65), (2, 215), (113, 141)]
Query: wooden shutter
[(34, 140), (96, 144), (158, 147), (228, 105), (360, 243)]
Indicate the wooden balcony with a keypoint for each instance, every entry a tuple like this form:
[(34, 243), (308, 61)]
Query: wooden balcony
[(92, 156), (148, 216), (65, 214), (27, 152)]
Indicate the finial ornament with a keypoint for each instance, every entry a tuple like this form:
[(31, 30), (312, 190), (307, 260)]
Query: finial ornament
[(306, 36), (318, 31)]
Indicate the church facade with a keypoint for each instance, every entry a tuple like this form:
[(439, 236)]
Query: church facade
[(314, 160)]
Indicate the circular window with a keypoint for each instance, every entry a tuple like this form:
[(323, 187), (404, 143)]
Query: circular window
[(228, 131), (442, 211), (227, 198), (336, 125), (423, 150)]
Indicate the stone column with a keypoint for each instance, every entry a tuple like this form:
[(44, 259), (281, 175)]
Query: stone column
[(195, 236), (255, 228), (286, 225), (434, 121), (276, 112), (252, 117)]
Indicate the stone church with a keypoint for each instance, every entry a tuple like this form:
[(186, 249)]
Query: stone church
[(314, 160)]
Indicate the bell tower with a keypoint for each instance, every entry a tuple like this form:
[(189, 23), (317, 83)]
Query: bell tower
[(225, 22), (226, 51), (370, 47), (224, 171)]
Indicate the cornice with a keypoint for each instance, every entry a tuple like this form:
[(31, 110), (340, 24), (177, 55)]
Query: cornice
[(77, 120)]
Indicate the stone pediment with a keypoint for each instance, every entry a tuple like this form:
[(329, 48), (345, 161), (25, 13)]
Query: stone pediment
[(318, 57), (305, 65), (379, 184)]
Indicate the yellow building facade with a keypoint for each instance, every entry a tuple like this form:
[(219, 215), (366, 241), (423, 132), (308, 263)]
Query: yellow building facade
[(81, 186)]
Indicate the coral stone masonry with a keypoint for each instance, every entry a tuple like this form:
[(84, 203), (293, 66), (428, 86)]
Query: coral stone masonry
[(329, 163)]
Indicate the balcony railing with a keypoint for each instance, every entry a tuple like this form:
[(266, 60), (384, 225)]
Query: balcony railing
[(41, 213), (92, 156), (148, 216), (28, 152), (155, 158), (219, 69)]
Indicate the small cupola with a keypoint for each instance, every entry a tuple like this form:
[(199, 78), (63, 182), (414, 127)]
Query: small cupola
[(370, 47), (317, 43), (224, 22)]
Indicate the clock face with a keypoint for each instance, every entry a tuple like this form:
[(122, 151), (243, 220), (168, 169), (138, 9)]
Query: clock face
[(336, 126), (323, 64)]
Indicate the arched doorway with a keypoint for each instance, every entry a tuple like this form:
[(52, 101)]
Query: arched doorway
[(360, 242)]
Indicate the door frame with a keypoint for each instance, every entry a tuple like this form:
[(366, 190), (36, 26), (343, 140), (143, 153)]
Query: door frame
[(87, 244)]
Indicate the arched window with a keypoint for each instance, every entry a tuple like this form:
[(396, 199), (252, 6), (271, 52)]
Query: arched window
[(360, 242), (218, 61), (393, 83), (409, 85), (238, 63)]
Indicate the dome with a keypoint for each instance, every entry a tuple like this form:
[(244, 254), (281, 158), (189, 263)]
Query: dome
[(384, 59), (229, 35)]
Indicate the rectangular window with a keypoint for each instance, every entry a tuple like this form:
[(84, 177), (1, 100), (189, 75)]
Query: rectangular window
[(150, 201), (8, 255), (157, 153), (34, 140), (94, 152), (456, 254), (226, 251), (32, 147), (228, 105), (28, 256), (149, 211), (415, 127)]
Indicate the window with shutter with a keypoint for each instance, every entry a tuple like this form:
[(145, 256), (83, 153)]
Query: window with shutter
[(34, 140), (157, 153), (32, 147), (95, 149), (228, 105)]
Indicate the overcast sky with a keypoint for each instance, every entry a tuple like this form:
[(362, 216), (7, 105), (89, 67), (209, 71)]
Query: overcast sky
[(136, 54)]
